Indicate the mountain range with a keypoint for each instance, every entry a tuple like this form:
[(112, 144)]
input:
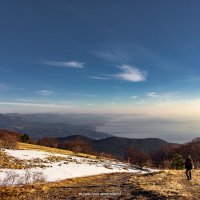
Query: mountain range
[(118, 145), (42, 125), (76, 127)]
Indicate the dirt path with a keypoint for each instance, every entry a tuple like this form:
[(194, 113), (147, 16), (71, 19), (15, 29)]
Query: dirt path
[(125, 186)]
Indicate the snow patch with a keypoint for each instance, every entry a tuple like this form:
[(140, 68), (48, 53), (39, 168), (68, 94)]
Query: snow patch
[(27, 154), (55, 171)]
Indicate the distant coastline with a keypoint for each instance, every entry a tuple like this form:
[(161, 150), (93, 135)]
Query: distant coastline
[(169, 130)]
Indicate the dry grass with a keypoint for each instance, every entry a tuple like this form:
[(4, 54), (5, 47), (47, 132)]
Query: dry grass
[(25, 146), (7, 161), (172, 183), (168, 184), (10, 162), (164, 185)]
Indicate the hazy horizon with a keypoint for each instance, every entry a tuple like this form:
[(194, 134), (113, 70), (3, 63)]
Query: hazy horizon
[(125, 125), (177, 131)]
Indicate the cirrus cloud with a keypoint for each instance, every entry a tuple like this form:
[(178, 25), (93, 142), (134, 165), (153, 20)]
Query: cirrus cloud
[(152, 94), (69, 64), (45, 92), (133, 97), (131, 74), (98, 77), (128, 73)]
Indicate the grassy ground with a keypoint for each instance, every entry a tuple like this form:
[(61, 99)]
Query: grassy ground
[(24, 146), (168, 184), (10, 162)]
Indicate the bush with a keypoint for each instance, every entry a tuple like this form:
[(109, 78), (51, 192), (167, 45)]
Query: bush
[(105, 155), (24, 138), (177, 162), (8, 142), (28, 177), (48, 142), (78, 146), (136, 157)]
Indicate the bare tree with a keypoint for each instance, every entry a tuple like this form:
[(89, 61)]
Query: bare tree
[(77, 146), (136, 157), (48, 142), (162, 156), (8, 142)]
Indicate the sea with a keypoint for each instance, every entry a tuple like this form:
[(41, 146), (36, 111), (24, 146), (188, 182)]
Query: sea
[(171, 130)]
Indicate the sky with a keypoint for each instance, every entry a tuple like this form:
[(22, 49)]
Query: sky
[(100, 56)]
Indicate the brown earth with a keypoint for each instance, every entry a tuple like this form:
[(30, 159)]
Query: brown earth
[(169, 184)]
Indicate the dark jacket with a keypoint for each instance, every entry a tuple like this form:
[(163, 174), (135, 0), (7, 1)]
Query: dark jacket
[(188, 164)]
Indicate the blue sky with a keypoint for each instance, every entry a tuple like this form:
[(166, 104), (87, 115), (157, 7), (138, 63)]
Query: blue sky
[(100, 56)]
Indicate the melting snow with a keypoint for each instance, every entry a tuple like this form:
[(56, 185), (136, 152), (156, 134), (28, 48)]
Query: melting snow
[(54, 171), (27, 154)]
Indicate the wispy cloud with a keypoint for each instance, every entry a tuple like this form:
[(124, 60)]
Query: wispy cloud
[(118, 51), (152, 94), (28, 104), (131, 52), (133, 97), (69, 64), (26, 100), (128, 73), (98, 77), (45, 92), (114, 55), (131, 74)]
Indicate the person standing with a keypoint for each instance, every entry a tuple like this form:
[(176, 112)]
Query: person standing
[(188, 167)]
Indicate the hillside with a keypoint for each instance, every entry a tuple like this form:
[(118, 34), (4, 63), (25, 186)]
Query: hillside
[(37, 129), (118, 145), (54, 165), (61, 174), (91, 120)]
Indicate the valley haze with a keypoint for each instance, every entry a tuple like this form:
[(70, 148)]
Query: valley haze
[(99, 126)]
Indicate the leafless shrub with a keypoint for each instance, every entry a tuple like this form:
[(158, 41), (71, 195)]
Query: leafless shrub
[(32, 177), (167, 164), (137, 157), (48, 142), (77, 146), (82, 146), (1, 144), (38, 177), (106, 155), (8, 142), (12, 178), (27, 177)]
